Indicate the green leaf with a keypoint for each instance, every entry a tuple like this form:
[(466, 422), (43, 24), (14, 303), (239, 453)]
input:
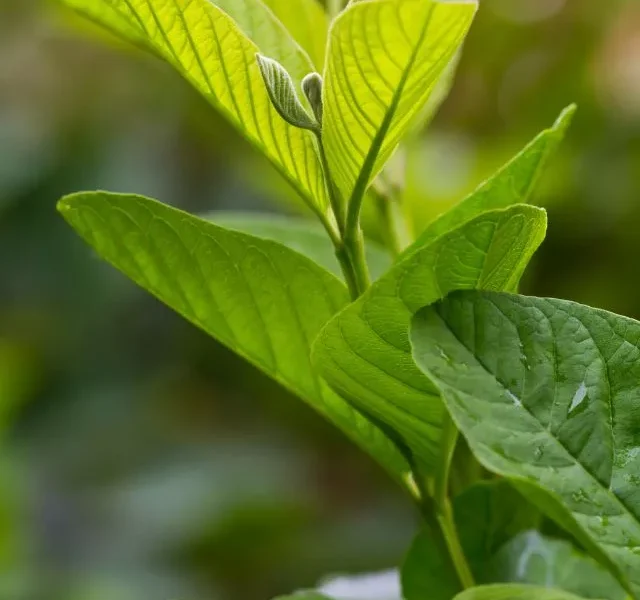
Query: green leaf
[(547, 394), (487, 516), (534, 559), (513, 184), (364, 352), (384, 59), (213, 45), (497, 533), (259, 298), (302, 235), (514, 592), (283, 94), (307, 22)]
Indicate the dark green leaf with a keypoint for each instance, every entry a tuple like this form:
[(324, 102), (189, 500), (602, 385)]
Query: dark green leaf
[(547, 393)]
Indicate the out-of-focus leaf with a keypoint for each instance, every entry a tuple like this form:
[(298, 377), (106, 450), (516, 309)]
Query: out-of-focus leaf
[(514, 592), (304, 236), (513, 184)]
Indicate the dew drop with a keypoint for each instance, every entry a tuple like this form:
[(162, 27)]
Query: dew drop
[(538, 452), (578, 397)]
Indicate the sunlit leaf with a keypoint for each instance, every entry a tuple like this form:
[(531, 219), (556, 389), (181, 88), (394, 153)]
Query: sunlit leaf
[(214, 45), (259, 298), (364, 352), (307, 22), (547, 394), (385, 57)]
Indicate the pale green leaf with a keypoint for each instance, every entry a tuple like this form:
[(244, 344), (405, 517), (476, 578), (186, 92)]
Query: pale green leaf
[(307, 22), (512, 184), (384, 59), (214, 46), (364, 352), (303, 236), (496, 526), (259, 298), (283, 94), (514, 592), (547, 393)]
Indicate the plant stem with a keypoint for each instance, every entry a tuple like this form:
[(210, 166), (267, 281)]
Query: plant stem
[(334, 8), (444, 516), (349, 244), (354, 246)]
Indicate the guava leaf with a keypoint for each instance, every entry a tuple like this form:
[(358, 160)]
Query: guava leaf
[(514, 592), (307, 22), (547, 394), (385, 57), (259, 298), (302, 235), (514, 183), (364, 352), (214, 46), (497, 533)]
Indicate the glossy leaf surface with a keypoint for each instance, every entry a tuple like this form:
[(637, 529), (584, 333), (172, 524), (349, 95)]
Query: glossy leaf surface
[(547, 393)]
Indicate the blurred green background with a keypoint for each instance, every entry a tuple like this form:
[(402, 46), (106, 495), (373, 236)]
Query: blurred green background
[(140, 459)]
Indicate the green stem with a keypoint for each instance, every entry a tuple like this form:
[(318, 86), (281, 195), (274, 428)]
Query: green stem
[(354, 246), (444, 516), (337, 205), (334, 8)]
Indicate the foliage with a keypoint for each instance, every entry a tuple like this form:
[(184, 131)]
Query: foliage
[(438, 345)]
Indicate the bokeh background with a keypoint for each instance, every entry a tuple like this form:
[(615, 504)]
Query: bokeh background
[(141, 460)]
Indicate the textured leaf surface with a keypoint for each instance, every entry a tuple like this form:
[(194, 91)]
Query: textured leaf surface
[(547, 393), (385, 57), (513, 184), (307, 22), (283, 93), (303, 236), (514, 592), (259, 298), (214, 45), (497, 532), (364, 352)]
